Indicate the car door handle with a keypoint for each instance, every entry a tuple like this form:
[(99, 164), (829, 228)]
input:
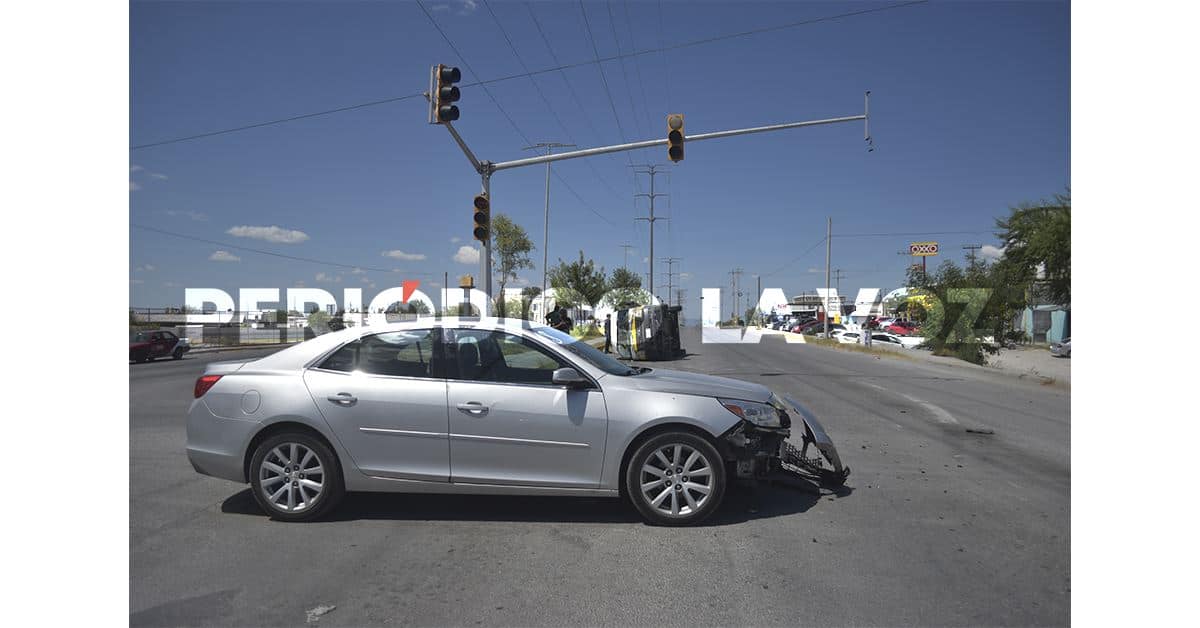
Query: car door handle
[(473, 408), (343, 399)]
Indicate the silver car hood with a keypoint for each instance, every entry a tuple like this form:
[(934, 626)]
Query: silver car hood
[(685, 383)]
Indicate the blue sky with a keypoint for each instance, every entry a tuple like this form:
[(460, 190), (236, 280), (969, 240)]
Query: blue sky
[(969, 112)]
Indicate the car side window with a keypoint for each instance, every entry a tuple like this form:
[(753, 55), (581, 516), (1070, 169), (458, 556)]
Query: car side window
[(496, 356), (398, 354), (343, 359)]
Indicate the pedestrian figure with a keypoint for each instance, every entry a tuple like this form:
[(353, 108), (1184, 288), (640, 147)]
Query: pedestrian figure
[(607, 332)]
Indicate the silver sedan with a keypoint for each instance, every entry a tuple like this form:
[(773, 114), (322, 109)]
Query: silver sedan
[(467, 406)]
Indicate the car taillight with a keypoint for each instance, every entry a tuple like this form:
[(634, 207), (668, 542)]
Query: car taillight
[(204, 383)]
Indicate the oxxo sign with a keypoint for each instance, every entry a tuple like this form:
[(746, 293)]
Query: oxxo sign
[(923, 249)]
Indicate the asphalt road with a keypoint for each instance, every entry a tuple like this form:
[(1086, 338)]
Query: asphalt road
[(940, 526)]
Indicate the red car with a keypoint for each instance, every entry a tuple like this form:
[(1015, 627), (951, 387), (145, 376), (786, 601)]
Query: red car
[(903, 328), (802, 327), (144, 346)]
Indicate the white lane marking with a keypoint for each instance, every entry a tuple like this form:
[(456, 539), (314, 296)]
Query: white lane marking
[(939, 414)]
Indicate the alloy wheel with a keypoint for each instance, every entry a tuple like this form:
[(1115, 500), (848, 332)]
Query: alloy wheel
[(676, 479), (291, 477)]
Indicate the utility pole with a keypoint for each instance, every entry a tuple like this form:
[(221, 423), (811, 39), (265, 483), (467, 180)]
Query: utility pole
[(828, 253), (652, 170), (626, 247), (837, 276), (679, 292), (549, 146), (670, 261), (758, 293), (971, 248), (735, 277)]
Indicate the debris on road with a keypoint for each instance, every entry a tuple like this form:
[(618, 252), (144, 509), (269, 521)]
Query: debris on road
[(980, 430), (315, 614)]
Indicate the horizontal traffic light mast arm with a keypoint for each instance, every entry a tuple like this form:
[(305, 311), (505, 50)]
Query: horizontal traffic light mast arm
[(588, 152)]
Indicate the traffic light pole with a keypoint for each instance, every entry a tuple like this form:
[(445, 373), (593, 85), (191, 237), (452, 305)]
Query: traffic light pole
[(487, 168), (616, 148)]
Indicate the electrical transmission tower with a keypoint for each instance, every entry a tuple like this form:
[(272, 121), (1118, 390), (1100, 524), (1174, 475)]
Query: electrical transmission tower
[(652, 170)]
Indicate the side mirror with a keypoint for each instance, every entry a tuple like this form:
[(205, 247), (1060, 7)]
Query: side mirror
[(570, 378)]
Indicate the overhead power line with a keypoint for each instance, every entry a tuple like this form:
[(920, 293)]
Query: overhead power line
[(297, 258), (557, 68), (797, 258), (910, 233)]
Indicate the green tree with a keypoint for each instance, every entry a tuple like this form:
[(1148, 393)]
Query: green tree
[(967, 305), (1037, 248), (578, 281), (318, 320), (510, 253), (625, 286)]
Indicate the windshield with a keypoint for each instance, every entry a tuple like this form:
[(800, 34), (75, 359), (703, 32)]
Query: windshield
[(587, 352)]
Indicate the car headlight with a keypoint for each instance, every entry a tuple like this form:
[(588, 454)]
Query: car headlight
[(760, 414)]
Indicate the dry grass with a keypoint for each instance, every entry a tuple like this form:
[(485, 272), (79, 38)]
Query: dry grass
[(856, 348)]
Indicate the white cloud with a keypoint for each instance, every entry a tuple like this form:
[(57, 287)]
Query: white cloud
[(158, 175), (371, 285), (685, 276), (133, 187), (223, 256), (145, 268), (455, 240), (991, 253), (327, 278), (645, 260), (435, 284), (197, 216), (358, 271), (409, 257), (136, 281), (172, 284), (366, 280), (270, 234), (299, 283), (134, 168), (467, 255)]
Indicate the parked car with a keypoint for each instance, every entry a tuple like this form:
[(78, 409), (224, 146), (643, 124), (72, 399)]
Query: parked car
[(819, 329), (848, 337), (903, 328), (803, 326), (145, 346), (488, 407), (1061, 349)]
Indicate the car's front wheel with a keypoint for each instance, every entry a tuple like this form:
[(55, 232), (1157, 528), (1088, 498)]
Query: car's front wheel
[(675, 478), (295, 477), (177, 354)]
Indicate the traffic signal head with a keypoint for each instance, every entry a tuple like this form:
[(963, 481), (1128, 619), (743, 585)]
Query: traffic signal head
[(483, 218), (675, 136), (445, 93)]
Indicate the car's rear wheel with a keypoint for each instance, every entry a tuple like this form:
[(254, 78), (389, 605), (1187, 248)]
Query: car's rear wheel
[(675, 478), (295, 477)]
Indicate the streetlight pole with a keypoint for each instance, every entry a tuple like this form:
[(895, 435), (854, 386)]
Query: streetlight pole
[(549, 146)]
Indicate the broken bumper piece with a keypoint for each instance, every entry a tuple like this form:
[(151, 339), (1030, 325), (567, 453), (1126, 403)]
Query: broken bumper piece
[(764, 453)]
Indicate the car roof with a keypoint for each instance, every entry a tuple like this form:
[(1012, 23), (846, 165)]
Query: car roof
[(302, 353)]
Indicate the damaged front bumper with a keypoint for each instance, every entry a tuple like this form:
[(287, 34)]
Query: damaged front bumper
[(764, 453)]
